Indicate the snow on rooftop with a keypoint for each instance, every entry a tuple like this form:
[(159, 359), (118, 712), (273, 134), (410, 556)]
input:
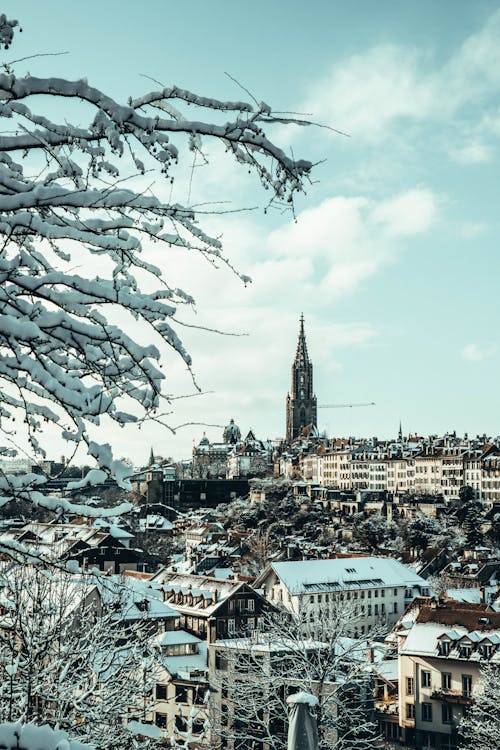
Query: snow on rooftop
[(173, 637), (189, 666), (304, 576), (424, 636)]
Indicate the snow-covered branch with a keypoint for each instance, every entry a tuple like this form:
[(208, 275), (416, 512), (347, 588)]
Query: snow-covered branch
[(69, 197)]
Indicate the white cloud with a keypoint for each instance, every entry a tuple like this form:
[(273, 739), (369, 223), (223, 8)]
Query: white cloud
[(347, 240), (474, 353), (369, 92), (472, 153)]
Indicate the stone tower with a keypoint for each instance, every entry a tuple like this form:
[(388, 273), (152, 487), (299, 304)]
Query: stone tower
[(301, 404)]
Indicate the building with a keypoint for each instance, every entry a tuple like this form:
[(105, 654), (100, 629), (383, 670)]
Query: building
[(442, 645), (301, 404), (377, 589), (210, 607)]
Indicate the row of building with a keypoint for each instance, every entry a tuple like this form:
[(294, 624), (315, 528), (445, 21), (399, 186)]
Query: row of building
[(415, 465)]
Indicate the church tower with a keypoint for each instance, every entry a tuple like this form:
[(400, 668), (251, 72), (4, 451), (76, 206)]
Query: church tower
[(301, 404)]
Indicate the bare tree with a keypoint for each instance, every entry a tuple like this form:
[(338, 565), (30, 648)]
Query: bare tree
[(70, 658), (255, 675)]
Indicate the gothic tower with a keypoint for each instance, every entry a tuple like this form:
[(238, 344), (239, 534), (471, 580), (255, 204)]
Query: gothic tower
[(301, 405)]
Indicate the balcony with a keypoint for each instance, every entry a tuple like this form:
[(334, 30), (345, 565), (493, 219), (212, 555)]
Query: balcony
[(452, 696)]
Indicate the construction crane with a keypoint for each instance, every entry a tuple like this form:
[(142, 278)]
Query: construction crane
[(345, 406)]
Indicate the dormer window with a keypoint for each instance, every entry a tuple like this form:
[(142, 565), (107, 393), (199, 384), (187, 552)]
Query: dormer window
[(486, 650), (465, 650), (444, 648)]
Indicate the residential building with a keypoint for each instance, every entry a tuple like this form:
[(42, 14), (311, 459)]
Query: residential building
[(376, 589), (442, 645), (210, 607)]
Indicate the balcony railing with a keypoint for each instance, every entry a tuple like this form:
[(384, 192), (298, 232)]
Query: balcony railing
[(452, 696)]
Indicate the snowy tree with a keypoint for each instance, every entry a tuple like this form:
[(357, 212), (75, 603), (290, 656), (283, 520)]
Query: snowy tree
[(77, 218), (481, 724), (420, 532), (372, 532), (255, 675), (72, 658)]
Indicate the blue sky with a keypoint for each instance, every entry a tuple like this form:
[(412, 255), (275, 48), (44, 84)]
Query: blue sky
[(394, 256)]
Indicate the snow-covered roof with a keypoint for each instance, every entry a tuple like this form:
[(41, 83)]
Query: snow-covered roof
[(208, 592), (388, 669), (423, 640), (188, 666), (174, 637), (138, 599), (313, 576)]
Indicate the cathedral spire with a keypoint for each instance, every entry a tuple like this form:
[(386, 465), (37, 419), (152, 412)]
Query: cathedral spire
[(301, 408), (301, 343)]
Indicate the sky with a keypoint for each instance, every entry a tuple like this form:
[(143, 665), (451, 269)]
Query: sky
[(392, 256)]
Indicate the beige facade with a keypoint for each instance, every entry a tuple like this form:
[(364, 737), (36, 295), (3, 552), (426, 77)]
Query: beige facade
[(440, 657)]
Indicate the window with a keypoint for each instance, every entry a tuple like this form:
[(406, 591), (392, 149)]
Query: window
[(181, 694), (410, 686), (466, 684), (376, 593), (221, 661), (369, 609), (376, 609), (161, 720), (425, 678), (426, 711), (395, 592), (198, 726), (180, 723), (231, 626), (382, 593), (446, 681), (161, 692), (251, 623), (410, 710), (446, 713), (444, 648), (465, 650), (485, 649), (251, 605), (395, 607)]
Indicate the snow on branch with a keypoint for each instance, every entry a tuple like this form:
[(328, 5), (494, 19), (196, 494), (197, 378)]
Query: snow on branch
[(67, 200)]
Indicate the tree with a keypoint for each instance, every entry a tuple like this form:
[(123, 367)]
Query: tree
[(291, 652), (372, 532), (76, 218), (481, 724), (419, 532), (72, 658)]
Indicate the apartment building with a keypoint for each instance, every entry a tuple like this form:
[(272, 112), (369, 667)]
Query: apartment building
[(442, 645), (375, 590), (211, 608), (433, 465)]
